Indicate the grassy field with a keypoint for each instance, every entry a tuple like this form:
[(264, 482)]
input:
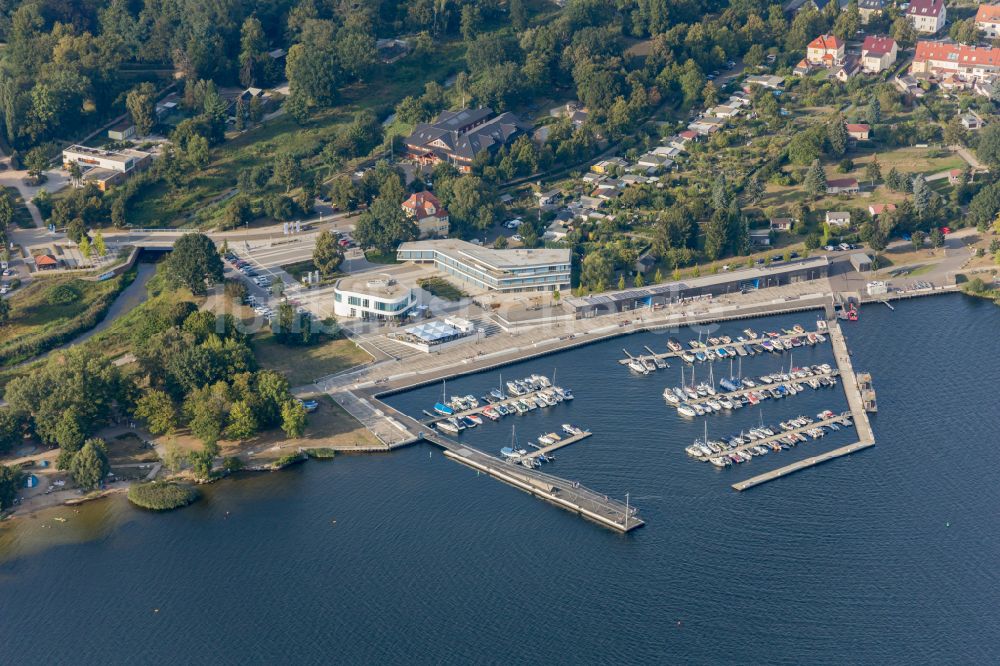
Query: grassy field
[(39, 323), (201, 198), (302, 365), (441, 288), (22, 218)]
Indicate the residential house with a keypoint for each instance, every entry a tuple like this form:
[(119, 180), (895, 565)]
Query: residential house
[(869, 9), (971, 121), (670, 151), (607, 166), (591, 178), (939, 59), (706, 126), (909, 85), (122, 130), (654, 161), (825, 51), (878, 53), (550, 198), (988, 20), (838, 219), (555, 232), (986, 88), (760, 237), (842, 186), (456, 137), (955, 176), (767, 81), (645, 263), (927, 16), (877, 209), (850, 67), (803, 68), (425, 209), (858, 131), (723, 111), (575, 111), (782, 223)]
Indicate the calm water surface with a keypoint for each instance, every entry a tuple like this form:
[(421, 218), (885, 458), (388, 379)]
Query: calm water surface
[(887, 556)]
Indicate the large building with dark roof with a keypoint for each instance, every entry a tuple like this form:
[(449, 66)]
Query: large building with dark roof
[(457, 137)]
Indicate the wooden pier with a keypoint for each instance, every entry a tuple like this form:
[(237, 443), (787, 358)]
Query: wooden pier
[(565, 441)]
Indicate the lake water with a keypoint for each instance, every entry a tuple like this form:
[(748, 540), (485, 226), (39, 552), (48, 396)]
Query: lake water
[(886, 556)]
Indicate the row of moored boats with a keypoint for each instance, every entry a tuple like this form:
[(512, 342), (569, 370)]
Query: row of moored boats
[(762, 440), (521, 396), (736, 392)]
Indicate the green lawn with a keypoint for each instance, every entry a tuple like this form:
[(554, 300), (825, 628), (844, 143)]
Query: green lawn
[(441, 288), (22, 218), (302, 365), (37, 323)]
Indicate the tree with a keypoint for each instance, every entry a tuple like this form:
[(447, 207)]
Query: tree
[(313, 74), (469, 203), (937, 237), (201, 461), (4, 312), (196, 152), (595, 270), (84, 247), (384, 226), (895, 180), (815, 180), (11, 481), (988, 148), (327, 255), (75, 173), (754, 189), (242, 421), (158, 410), (141, 105), (237, 212), (518, 14), (873, 170), (293, 419), (288, 171), (194, 263), (621, 282), (873, 114), (837, 135), (90, 464), (917, 238), (720, 193), (99, 245), (252, 44), (36, 161), (639, 282), (954, 133), (206, 409), (716, 236), (710, 94), (344, 193), (921, 195)]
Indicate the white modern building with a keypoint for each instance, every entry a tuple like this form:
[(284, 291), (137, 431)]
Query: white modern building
[(372, 297), (505, 271), (927, 16), (106, 167)]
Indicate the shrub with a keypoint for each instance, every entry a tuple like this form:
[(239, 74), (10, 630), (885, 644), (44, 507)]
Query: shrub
[(161, 495), (287, 460), (62, 294), (321, 453)]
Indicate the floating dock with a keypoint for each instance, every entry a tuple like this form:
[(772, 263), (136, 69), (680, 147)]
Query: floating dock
[(506, 402), (760, 387), (565, 441), (837, 418)]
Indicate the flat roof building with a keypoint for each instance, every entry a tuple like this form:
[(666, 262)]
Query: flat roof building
[(106, 167), (743, 280), (505, 271), (372, 297)]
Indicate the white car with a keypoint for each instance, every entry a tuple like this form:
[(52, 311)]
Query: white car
[(844, 246), (517, 237), (829, 248)]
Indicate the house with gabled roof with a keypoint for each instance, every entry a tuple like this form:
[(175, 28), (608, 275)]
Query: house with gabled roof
[(927, 16), (457, 137), (825, 51), (878, 53)]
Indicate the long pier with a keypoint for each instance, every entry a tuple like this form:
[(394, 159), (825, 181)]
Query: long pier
[(801, 464), (563, 493)]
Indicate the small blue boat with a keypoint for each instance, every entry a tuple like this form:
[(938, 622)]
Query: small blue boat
[(699, 355), (467, 422), (443, 409)]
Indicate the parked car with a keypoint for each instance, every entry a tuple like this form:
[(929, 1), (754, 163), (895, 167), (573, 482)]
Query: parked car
[(9, 272), (517, 237), (844, 246), (310, 405), (829, 248)]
